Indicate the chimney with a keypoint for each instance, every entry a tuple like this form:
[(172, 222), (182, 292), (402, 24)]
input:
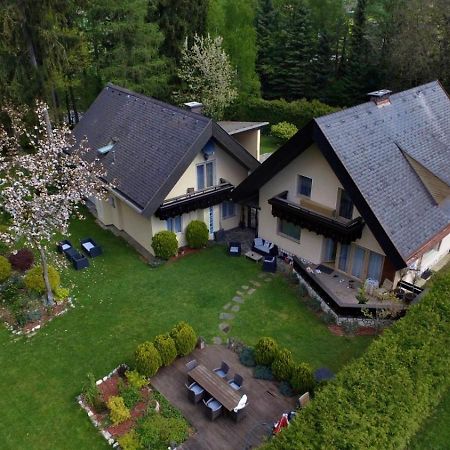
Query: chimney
[(381, 97), (194, 107)]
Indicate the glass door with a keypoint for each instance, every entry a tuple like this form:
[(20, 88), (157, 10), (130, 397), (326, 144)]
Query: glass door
[(358, 261), (343, 257), (330, 249)]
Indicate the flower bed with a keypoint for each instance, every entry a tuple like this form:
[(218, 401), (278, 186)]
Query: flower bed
[(130, 414)]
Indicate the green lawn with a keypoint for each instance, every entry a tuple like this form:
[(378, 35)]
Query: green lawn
[(269, 144), (121, 302)]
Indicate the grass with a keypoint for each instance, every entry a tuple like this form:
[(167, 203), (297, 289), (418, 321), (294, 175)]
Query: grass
[(269, 144), (122, 302)]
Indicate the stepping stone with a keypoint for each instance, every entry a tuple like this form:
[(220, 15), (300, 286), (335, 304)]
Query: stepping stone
[(250, 291), (238, 299), (239, 293), (217, 340), (255, 283), (227, 306), (226, 329), (245, 287), (235, 308), (261, 275), (226, 316), (223, 326), (268, 279)]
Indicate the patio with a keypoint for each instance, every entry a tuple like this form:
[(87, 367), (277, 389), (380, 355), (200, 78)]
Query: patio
[(266, 404)]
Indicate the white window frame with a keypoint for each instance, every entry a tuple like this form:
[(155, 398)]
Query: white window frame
[(171, 224), (204, 164)]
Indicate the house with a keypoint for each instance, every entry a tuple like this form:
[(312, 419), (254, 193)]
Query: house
[(168, 166), (364, 191)]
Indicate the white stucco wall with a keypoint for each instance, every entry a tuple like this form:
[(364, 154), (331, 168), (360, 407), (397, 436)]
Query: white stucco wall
[(251, 141)]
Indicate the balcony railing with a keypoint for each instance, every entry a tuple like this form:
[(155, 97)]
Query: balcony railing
[(343, 231), (195, 200)]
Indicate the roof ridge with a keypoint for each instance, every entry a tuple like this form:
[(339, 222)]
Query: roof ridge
[(159, 102)]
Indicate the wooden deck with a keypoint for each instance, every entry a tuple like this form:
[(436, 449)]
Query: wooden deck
[(266, 404)]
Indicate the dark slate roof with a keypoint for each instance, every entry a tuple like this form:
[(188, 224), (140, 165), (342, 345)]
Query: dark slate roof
[(234, 127), (369, 141), (156, 142), (365, 146)]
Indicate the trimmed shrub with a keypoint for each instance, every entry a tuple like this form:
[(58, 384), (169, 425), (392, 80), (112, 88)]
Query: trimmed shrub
[(197, 234), (165, 244), (5, 269), (265, 351), (135, 379), (282, 365), (148, 360), (34, 279), (247, 357), (166, 348), (184, 337), (129, 394), (302, 378), (129, 441), (283, 130), (157, 431), (92, 395), (22, 260), (263, 373), (61, 293), (118, 412)]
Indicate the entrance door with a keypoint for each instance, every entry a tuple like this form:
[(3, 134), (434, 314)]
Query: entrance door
[(252, 218)]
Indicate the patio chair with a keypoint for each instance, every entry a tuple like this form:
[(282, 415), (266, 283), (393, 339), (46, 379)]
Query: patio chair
[(213, 408), (191, 365), (234, 249), (237, 382), (223, 370), (195, 392), (270, 264), (63, 246), (90, 247)]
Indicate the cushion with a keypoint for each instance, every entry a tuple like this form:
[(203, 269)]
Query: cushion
[(267, 244), (271, 246), (269, 260), (258, 242), (234, 249), (88, 245), (262, 248), (65, 246)]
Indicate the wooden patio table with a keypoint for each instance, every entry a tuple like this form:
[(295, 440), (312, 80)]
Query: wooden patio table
[(215, 386)]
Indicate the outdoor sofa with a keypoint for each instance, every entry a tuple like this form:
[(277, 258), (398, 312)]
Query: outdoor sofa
[(264, 248)]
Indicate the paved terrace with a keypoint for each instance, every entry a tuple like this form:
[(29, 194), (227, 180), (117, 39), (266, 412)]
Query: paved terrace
[(265, 406)]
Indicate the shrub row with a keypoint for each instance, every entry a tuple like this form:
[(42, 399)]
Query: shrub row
[(283, 131), (150, 356), (298, 112), (381, 399)]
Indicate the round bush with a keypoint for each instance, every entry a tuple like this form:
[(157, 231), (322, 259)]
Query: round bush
[(265, 351), (184, 337), (197, 234), (147, 358), (118, 412), (166, 348), (129, 441), (283, 130), (247, 357), (302, 378), (282, 365), (34, 279), (5, 268), (22, 260), (165, 244)]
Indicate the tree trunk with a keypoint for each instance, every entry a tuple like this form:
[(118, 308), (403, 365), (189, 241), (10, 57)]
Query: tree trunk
[(50, 298)]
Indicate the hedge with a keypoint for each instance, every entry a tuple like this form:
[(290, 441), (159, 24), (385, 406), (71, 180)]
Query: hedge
[(381, 399), (298, 112), (185, 338), (147, 358)]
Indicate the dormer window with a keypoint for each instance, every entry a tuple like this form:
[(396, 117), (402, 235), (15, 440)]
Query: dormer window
[(107, 148), (205, 175)]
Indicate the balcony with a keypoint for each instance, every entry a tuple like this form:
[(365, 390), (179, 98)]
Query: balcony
[(195, 200), (317, 218)]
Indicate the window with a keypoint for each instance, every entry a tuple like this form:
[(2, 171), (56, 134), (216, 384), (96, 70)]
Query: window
[(330, 250), (289, 230), (343, 257), (228, 210), (375, 266), (345, 208), (205, 175), (174, 224), (358, 262), (304, 186)]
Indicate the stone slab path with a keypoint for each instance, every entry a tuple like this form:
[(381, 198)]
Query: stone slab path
[(242, 294)]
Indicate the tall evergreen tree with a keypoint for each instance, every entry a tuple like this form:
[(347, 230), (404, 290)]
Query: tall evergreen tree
[(322, 67)]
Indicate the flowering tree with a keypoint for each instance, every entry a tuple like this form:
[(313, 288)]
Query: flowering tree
[(44, 180), (207, 75)]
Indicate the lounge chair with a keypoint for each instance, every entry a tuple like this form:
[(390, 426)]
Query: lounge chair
[(90, 247), (213, 408), (195, 392), (223, 370), (63, 246), (234, 249), (237, 382)]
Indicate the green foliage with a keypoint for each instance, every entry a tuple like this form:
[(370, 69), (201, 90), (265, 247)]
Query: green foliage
[(129, 441), (197, 234), (158, 432), (302, 378), (185, 338), (147, 358), (34, 279), (166, 348), (92, 394), (247, 357), (118, 412), (165, 244), (298, 112), (263, 373), (5, 268), (166, 408), (282, 365), (381, 399), (283, 130), (129, 393), (265, 351), (285, 389), (135, 379), (21, 260), (361, 296), (61, 293)]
